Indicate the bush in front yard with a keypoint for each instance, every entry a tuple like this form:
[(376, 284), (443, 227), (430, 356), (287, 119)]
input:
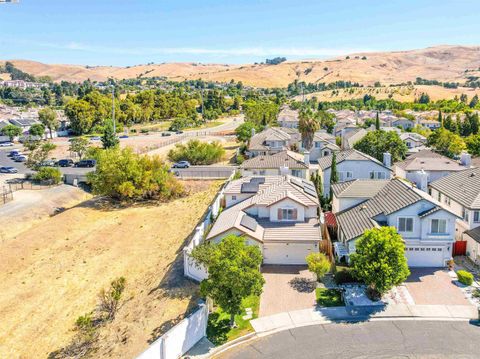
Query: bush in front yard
[(465, 277), (319, 264)]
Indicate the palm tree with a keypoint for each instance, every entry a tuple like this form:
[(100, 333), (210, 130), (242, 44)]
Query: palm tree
[(307, 126)]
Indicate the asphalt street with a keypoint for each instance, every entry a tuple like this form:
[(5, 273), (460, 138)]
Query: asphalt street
[(378, 339)]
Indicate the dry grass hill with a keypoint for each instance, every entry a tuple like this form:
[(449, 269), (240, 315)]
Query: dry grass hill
[(443, 63)]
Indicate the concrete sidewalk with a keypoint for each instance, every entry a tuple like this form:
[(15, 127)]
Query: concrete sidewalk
[(311, 316)]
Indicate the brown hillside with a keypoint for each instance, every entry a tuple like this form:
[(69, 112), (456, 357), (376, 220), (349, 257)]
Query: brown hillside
[(443, 63)]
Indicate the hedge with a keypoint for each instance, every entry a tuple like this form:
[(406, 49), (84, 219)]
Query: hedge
[(465, 277)]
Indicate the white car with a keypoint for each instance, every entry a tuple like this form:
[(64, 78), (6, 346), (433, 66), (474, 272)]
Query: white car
[(6, 144)]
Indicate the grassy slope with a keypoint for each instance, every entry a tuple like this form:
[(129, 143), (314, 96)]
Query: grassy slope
[(52, 274)]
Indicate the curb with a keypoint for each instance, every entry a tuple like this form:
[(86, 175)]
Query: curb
[(232, 344)]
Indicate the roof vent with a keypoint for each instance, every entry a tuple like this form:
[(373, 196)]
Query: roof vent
[(363, 207), (472, 174)]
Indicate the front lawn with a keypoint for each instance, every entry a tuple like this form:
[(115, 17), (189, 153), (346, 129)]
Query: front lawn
[(218, 329), (329, 297)]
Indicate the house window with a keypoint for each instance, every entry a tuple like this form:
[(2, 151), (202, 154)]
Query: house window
[(439, 226), (409, 144), (262, 172), (318, 144), (297, 173), (287, 214), (345, 175), (447, 200), (377, 175), (476, 216), (234, 198), (465, 214), (405, 224), (326, 153)]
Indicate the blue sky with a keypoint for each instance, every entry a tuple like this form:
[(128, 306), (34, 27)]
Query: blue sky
[(121, 32)]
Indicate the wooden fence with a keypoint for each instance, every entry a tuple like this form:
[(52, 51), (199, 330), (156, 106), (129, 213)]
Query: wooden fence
[(7, 195)]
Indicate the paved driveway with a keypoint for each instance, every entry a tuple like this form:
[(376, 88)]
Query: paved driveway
[(286, 288), (434, 286)]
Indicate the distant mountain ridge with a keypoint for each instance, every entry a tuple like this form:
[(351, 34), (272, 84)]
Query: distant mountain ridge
[(444, 63)]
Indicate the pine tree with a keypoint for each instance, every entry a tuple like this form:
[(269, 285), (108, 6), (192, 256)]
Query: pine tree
[(333, 169), (377, 122), (109, 138), (440, 118)]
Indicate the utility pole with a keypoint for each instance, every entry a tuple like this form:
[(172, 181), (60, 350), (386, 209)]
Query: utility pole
[(113, 110)]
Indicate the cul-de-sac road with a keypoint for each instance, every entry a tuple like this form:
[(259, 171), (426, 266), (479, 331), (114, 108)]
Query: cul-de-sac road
[(378, 339)]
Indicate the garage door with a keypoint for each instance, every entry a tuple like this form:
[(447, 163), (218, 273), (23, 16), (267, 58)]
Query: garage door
[(287, 253), (425, 256)]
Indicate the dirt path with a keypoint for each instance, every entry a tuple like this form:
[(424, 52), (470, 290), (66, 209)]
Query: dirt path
[(51, 274)]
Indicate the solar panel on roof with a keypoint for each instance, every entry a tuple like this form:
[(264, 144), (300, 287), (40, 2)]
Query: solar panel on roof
[(297, 182), (249, 222), (259, 180), (311, 192), (249, 187)]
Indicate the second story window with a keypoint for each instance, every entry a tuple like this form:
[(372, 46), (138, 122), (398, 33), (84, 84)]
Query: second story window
[(377, 175), (318, 144), (476, 216), (234, 198), (405, 224), (439, 226), (465, 214), (345, 176), (287, 214)]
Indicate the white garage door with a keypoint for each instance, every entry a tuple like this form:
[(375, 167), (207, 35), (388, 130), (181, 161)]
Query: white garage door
[(425, 256), (287, 253)]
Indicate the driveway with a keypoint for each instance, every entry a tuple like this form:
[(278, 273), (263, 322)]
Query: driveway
[(286, 288), (435, 287)]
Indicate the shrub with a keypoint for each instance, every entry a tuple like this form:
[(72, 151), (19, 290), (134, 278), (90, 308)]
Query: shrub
[(465, 277), (344, 276), (124, 175), (319, 264), (110, 299), (240, 159), (476, 293), (48, 174), (197, 152)]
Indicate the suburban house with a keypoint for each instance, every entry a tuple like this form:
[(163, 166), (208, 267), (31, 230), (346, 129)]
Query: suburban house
[(353, 164), (279, 214), (349, 194), (427, 166), (402, 122), (426, 226), (413, 140), (273, 140), (460, 191), (324, 144), (350, 138), (281, 163), (473, 244), (431, 124), (288, 117)]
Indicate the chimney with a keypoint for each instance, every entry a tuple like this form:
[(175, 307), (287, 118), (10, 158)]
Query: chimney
[(466, 159), (306, 157), (387, 159), (422, 180), (284, 170)]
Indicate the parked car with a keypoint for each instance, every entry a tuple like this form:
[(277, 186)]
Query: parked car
[(165, 134), (86, 163), (8, 170), (181, 164), (48, 163), (6, 144), (95, 138), (20, 158), (66, 162), (14, 153), (124, 136), (179, 132)]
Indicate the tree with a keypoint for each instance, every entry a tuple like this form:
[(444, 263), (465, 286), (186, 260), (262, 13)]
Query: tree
[(333, 169), (49, 119), (233, 272), (197, 152), (79, 146), (379, 260), (307, 126), (124, 175), (440, 118), (473, 145), (39, 154), (109, 137), (48, 174), (81, 116), (319, 264), (11, 131), (37, 130), (376, 143), (245, 130), (447, 143), (473, 102), (377, 122)]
